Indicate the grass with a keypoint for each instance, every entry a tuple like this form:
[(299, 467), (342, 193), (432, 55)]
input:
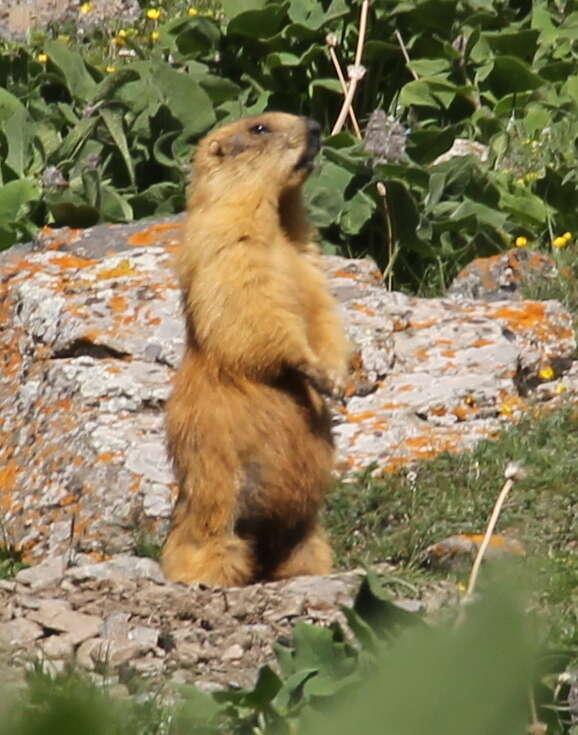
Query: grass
[(396, 517)]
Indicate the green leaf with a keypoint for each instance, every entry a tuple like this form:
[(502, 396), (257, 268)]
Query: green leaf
[(511, 74), (312, 15), (79, 82), (424, 146), (9, 105), (231, 8), (185, 98), (17, 129), (113, 119), (483, 213), (13, 198), (527, 207), (258, 24), (356, 213)]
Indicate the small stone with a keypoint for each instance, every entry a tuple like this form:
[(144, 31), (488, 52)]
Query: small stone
[(84, 653), (115, 626), (58, 646), (47, 573), (19, 632), (233, 653), (188, 653), (8, 585), (144, 636), (57, 615), (115, 653)]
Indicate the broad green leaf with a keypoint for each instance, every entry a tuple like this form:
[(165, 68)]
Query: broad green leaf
[(356, 213), (511, 74), (429, 67), (312, 15), (527, 207), (80, 83), (113, 119), (9, 104), (185, 98), (231, 8), (13, 198), (259, 24), (518, 43), (113, 206), (470, 208), (18, 129), (424, 146), (75, 138)]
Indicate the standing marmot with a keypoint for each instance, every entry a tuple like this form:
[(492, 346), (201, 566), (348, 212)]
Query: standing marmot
[(248, 431)]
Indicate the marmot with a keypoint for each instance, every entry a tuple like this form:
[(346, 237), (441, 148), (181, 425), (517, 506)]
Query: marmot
[(248, 430)]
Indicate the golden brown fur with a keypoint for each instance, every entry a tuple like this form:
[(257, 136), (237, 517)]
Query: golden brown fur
[(248, 430)]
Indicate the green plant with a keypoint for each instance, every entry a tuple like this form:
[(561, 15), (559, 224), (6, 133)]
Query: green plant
[(98, 127)]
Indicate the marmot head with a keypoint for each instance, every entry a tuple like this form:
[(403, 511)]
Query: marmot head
[(275, 147)]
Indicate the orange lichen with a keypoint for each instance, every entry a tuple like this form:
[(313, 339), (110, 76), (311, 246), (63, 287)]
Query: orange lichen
[(124, 268), (482, 343), (118, 303), (362, 416), (72, 261), (156, 234), (363, 309), (8, 476)]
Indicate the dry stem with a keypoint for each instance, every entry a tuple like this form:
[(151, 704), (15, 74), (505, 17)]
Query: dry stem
[(354, 72)]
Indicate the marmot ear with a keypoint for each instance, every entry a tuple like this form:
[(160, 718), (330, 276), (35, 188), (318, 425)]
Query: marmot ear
[(215, 148)]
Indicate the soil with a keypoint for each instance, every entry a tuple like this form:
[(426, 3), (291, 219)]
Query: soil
[(18, 17)]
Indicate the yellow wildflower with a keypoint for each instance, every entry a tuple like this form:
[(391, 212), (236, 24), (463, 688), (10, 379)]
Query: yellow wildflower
[(521, 242), (155, 35), (560, 388), (559, 242), (42, 58), (110, 69), (153, 14), (506, 409), (122, 33), (192, 11), (85, 8), (567, 236), (546, 373)]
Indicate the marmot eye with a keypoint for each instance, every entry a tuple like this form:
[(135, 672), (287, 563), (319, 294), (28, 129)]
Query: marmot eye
[(259, 129)]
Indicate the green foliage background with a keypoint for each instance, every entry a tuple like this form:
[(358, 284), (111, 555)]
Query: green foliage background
[(101, 129)]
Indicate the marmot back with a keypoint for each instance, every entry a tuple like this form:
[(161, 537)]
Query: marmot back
[(248, 429)]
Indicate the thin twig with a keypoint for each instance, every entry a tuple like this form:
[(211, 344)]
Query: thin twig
[(355, 72), (391, 251), (343, 83), (405, 55), (513, 472)]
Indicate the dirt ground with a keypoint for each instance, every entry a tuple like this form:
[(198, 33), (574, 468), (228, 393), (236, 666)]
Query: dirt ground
[(18, 17)]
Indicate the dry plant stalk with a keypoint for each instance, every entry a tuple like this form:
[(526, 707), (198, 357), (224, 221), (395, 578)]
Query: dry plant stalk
[(332, 42), (405, 55), (355, 72), (512, 473)]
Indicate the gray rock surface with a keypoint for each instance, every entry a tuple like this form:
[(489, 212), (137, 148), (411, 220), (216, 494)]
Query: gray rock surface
[(92, 332)]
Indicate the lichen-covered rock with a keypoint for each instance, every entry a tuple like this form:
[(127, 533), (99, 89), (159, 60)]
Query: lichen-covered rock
[(91, 333)]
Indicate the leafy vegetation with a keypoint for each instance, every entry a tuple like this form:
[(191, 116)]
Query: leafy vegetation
[(98, 127), (397, 674)]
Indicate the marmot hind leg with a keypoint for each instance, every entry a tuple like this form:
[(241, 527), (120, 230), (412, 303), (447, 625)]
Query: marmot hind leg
[(312, 555)]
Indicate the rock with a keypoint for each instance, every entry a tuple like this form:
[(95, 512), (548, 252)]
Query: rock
[(122, 566), (90, 343), (111, 654), (43, 575), (19, 632), (501, 276), (57, 615), (58, 646), (456, 552), (84, 653), (233, 653)]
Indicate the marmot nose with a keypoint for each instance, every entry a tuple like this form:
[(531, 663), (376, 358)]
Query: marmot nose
[(313, 128)]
